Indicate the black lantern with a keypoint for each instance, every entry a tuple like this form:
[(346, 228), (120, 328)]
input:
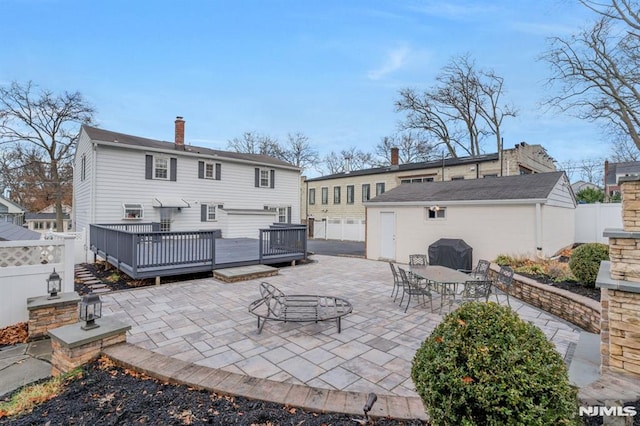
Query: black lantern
[(90, 310), (54, 284)]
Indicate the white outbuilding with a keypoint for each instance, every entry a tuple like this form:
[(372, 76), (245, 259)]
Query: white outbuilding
[(526, 215)]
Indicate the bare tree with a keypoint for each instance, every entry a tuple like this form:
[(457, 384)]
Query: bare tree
[(299, 152), (411, 149), (623, 150), (48, 125), (589, 170), (625, 11), (461, 110), (347, 160), (256, 143), (596, 73)]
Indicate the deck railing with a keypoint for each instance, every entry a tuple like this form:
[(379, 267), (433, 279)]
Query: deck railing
[(140, 246), (283, 239)]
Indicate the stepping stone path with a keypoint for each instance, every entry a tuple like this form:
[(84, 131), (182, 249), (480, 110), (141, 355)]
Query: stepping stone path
[(90, 280)]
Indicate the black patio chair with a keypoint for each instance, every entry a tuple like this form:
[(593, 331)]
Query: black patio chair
[(480, 272), (413, 288), (396, 281), (474, 290), (418, 260), (504, 277)]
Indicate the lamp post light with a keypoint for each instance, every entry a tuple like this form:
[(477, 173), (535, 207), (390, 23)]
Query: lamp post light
[(54, 285), (90, 310)]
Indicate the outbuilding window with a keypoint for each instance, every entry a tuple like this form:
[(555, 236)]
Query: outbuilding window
[(436, 212)]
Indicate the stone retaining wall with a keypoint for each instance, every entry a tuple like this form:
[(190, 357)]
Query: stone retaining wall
[(579, 310)]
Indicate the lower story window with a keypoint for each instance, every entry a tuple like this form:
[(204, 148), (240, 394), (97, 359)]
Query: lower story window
[(133, 211), (211, 212)]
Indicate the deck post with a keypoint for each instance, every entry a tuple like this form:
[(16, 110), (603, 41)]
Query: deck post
[(260, 242), (213, 251)]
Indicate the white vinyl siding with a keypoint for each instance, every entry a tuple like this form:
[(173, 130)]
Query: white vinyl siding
[(119, 174)]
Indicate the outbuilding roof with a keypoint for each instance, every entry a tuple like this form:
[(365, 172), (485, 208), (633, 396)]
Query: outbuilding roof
[(11, 232), (102, 135), (535, 186)]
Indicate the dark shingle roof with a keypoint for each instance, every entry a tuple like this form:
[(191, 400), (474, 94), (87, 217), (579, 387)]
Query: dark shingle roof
[(101, 135), (625, 168), (522, 187), (411, 166), (43, 216), (11, 232)]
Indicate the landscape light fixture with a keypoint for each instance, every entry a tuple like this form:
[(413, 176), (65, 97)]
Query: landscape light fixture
[(90, 310), (54, 285)]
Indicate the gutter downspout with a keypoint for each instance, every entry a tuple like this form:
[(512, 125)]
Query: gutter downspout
[(539, 254)]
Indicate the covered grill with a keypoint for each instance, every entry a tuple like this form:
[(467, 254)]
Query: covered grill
[(452, 253)]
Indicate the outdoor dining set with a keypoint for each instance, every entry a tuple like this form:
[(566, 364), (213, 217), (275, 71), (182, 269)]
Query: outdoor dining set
[(423, 282)]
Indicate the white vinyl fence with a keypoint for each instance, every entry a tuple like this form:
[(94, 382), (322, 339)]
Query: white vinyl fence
[(339, 229), (82, 254), (592, 219), (24, 268)]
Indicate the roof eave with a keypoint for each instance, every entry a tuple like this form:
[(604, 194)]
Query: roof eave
[(192, 154), (445, 203)]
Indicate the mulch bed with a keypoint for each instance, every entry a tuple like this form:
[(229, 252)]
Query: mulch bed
[(109, 395)]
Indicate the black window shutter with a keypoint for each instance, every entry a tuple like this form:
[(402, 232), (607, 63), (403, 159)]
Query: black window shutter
[(200, 169), (257, 177), (288, 214), (174, 169), (273, 178), (148, 172), (218, 171), (203, 212)]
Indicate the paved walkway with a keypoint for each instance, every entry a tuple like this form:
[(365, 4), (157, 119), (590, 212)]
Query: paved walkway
[(200, 332)]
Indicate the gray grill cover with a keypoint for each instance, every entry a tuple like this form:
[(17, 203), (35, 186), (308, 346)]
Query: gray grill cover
[(452, 253)]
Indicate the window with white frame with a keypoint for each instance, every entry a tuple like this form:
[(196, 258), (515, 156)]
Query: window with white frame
[(132, 211), (161, 167), (209, 170), (350, 194), (325, 195), (436, 212), (379, 188), (212, 209), (282, 214), (312, 195), (366, 192), (336, 195), (264, 178)]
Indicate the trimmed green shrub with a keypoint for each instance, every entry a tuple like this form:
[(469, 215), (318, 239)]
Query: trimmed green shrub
[(504, 260), (483, 365), (585, 262)]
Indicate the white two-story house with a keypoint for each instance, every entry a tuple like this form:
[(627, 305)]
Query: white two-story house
[(120, 178)]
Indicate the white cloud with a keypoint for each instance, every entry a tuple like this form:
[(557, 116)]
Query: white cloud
[(395, 60)]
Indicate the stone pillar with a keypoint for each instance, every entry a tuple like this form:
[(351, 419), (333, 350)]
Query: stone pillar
[(619, 280), (46, 314), (72, 346)]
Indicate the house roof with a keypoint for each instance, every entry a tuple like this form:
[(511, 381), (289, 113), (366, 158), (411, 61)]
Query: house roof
[(535, 186), (102, 135), (614, 170), (44, 216), (411, 166), (11, 232)]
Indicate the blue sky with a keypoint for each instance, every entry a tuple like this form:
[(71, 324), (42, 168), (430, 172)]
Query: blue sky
[(330, 69)]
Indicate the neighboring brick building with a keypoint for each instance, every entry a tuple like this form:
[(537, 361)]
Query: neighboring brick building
[(332, 204)]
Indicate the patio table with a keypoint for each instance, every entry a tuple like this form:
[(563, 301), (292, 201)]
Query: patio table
[(444, 281)]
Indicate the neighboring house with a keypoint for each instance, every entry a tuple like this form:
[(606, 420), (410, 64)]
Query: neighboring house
[(613, 172), (11, 212), (11, 232), (45, 220), (333, 205), (581, 184), (120, 178), (528, 215)]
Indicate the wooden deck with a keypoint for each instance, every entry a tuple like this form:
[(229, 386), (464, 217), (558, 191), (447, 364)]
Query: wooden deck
[(143, 254)]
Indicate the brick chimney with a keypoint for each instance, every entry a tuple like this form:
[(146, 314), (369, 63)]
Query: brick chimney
[(179, 140), (394, 156)]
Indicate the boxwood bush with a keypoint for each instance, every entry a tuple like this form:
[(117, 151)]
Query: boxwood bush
[(483, 365), (585, 262)]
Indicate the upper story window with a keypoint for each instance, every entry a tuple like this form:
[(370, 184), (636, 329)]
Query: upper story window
[(209, 170), (161, 167), (366, 192), (132, 211), (416, 180), (83, 167), (379, 188), (265, 178), (325, 195), (336, 195), (350, 194), (312, 195)]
